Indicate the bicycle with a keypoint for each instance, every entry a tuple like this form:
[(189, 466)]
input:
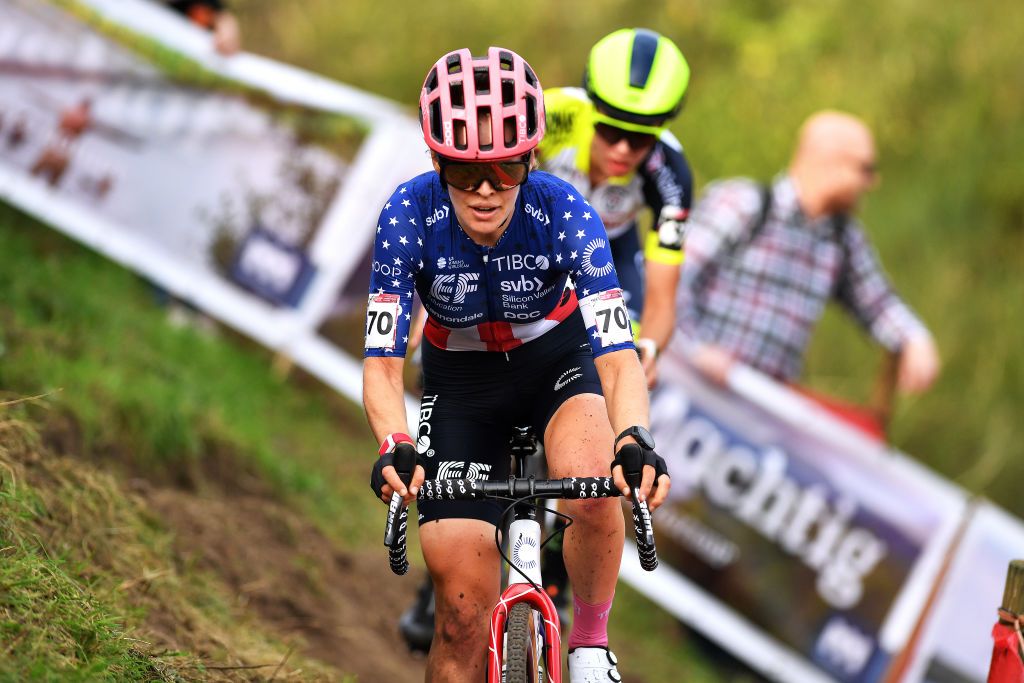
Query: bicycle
[(416, 623), (525, 635)]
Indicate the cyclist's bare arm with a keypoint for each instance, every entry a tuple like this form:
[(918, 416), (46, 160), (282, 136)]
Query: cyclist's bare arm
[(625, 391), (659, 316), (416, 329), (384, 402)]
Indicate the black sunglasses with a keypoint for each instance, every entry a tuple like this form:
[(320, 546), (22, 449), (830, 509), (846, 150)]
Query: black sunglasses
[(612, 136), (470, 175)]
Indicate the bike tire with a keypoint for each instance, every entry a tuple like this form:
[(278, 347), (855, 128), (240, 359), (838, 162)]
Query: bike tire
[(524, 660)]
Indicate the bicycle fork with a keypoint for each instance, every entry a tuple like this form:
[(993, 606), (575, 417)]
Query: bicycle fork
[(524, 585)]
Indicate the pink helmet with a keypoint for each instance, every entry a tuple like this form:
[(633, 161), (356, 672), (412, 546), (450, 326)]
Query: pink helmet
[(504, 92)]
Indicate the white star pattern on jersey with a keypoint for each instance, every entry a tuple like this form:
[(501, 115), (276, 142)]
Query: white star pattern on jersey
[(490, 301)]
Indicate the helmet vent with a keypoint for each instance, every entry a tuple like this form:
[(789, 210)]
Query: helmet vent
[(461, 140), (431, 84), (531, 115), (508, 92), (454, 63), (509, 128), (506, 61), (435, 121), (458, 95), (482, 80), (531, 78), (485, 140)]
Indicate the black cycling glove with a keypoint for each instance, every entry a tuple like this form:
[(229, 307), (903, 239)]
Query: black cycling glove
[(403, 457), (632, 457)]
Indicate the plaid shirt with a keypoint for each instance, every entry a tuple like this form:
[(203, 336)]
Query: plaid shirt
[(760, 298)]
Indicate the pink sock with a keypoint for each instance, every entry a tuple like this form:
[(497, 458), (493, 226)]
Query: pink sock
[(590, 623)]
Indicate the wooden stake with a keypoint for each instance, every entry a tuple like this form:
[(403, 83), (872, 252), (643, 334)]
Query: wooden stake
[(883, 394), (1013, 595)]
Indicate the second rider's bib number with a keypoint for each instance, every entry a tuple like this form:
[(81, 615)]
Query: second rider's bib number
[(609, 316), (382, 313)]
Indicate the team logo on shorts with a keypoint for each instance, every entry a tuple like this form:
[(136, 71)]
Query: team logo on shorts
[(423, 432), (457, 469), (568, 376)]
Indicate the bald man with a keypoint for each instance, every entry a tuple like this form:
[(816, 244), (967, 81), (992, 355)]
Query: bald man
[(762, 262)]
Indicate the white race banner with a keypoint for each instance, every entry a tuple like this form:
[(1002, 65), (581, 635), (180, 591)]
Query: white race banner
[(243, 186), (813, 547)]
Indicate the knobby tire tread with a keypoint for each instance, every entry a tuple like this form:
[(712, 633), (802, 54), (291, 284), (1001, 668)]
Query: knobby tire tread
[(519, 642)]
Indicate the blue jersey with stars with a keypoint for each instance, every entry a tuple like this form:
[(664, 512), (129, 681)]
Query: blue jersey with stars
[(482, 298)]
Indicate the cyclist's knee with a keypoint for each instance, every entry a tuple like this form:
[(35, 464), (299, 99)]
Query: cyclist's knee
[(462, 613), (594, 511)]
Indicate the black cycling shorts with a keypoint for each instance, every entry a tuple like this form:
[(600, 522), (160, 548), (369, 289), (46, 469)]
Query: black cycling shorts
[(472, 400)]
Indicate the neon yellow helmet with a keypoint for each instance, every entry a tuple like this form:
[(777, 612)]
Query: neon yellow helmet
[(636, 79)]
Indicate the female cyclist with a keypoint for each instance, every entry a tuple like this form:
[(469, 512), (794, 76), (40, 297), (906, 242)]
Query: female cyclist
[(526, 325)]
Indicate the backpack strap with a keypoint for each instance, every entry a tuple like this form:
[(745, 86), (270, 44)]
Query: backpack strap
[(757, 223), (751, 231), (839, 223)]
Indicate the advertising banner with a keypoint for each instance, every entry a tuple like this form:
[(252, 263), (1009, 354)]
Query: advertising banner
[(244, 187), (797, 525)]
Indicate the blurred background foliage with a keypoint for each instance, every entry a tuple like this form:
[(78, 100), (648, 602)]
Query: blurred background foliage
[(942, 85)]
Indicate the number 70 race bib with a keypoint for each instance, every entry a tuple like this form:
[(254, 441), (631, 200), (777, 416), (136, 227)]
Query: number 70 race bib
[(606, 311), (382, 311)]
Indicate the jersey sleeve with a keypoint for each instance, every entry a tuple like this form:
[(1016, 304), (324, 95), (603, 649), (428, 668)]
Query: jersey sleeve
[(397, 258), (668, 190), (582, 247), (865, 291)]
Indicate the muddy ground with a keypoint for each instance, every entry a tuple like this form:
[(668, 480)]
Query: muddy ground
[(337, 606)]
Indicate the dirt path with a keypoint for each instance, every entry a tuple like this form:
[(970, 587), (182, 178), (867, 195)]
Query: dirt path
[(285, 571)]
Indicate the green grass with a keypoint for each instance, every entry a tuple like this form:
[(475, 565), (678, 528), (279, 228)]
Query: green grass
[(82, 564), (54, 623), (139, 391)]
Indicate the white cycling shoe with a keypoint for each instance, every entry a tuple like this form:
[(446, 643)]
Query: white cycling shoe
[(593, 665)]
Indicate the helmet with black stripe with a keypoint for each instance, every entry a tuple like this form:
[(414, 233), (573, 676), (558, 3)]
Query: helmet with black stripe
[(637, 80)]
